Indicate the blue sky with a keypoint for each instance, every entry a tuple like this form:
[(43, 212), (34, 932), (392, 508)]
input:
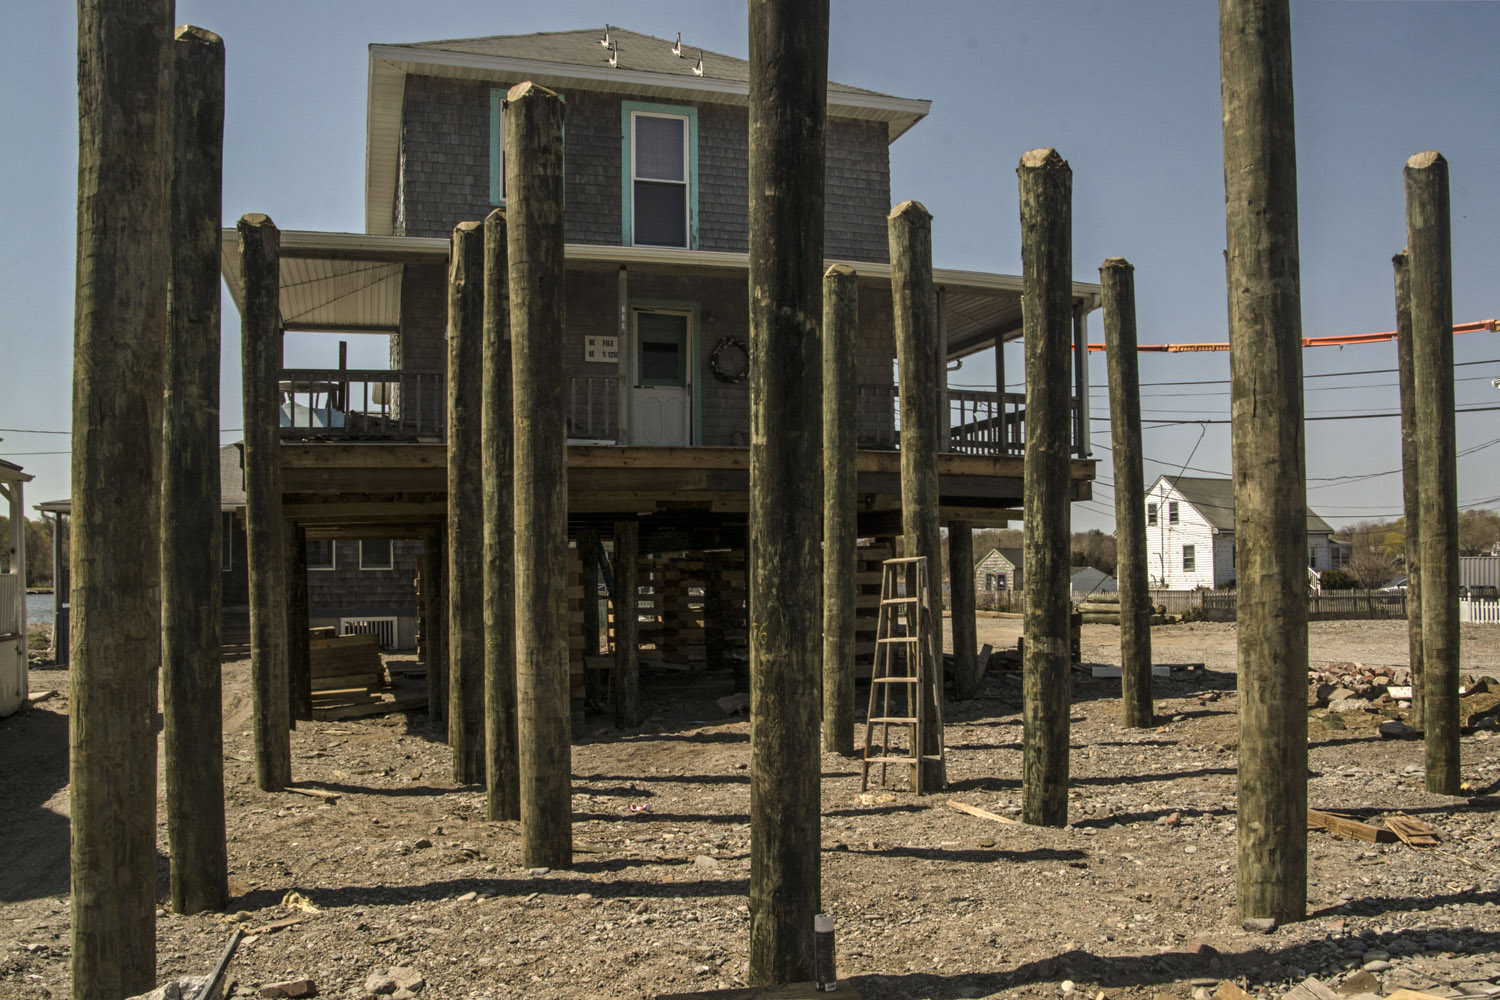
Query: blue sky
[(1127, 90)]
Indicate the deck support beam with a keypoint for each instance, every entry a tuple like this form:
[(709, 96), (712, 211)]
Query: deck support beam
[(534, 186), (909, 230), (1270, 500), (1117, 277), (502, 759), (260, 348), (788, 117), (840, 503), (191, 522), (1046, 186), (466, 641), (1429, 245)]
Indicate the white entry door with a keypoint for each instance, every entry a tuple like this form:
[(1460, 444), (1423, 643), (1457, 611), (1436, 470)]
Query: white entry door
[(661, 392)]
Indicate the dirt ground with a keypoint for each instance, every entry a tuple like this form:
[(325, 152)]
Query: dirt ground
[(1135, 897)]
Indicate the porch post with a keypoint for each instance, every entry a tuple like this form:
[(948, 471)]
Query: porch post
[(466, 504), (1118, 280), (910, 232), (1046, 184), (1411, 495), (788, 119), (502, 763), (260, 346), (1081, 446), (1428, 239), (1001, 413), (1270, 498), (945, 417), (840, 517), (60, 586), (534, 183)]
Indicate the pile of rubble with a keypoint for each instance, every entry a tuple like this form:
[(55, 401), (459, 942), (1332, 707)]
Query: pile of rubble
[(1358, 687)]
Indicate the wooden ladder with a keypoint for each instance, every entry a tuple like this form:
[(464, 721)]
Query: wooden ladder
[(903, 663)]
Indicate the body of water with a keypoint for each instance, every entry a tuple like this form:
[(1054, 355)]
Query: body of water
[(39, 609)]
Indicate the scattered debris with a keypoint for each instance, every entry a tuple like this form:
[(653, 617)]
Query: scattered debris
[(1311, 988), (1413, 832), (964, 807), (276, 925), (316, 793), (1395, 729), (1259, 925), (294, 900), (290, 988), (1347, 826)]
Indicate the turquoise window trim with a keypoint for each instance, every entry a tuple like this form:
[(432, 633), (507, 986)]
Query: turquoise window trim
[(497, 137), (694, 362), (627, 108)]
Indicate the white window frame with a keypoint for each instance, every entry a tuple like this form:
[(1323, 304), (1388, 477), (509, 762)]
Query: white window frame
[(333, 558), (1190, 559), (1172, 513), (390, 564), (1151, 514)]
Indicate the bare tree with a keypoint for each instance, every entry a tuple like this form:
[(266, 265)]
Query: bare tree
[(1373, 568)]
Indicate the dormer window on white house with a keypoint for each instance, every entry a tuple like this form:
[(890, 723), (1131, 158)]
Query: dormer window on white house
[(659, 190)]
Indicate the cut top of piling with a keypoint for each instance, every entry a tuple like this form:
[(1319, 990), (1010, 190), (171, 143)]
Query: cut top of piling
[(839, 270), (526, 89), (197, 35), (1422, 161), (1116, 264), (1046, 158), (909, 207)]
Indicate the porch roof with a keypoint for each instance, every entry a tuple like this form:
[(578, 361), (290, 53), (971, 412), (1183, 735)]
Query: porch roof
[(352, 282)]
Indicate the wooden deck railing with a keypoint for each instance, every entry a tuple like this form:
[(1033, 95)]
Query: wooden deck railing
[(593, 408), (979, 422), (362, 404)]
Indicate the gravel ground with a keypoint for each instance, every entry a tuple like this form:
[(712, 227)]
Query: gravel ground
[(1134, 898)]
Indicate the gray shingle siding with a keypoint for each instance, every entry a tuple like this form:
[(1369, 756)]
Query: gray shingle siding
[(348, 591), (444, 169)]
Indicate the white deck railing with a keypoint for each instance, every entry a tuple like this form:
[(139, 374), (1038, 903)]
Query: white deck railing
[(1474, 609)]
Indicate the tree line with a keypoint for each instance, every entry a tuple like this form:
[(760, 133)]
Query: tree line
[(38, 550)]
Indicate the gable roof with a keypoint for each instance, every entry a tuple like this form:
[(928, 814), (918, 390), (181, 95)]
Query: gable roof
[(574, 60), (1213, 497)]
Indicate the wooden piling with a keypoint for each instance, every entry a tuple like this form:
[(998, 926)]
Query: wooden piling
[(627, 679), (588, 578), (788, 118), (968, 672), (1117, 278), (124, 162), (1411, 496), (1046, 185), (435, 620), (909, 231), (534, 188), (840, 528), (502, 763), (1429, 268), (466, 642), (298, 640), (260, 364), (1270, 507), (192, 737)]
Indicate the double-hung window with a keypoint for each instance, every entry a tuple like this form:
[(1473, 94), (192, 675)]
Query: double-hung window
[(1189, 559), (660, 165)]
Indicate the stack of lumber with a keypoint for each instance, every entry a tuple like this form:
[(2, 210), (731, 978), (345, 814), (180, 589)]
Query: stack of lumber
[(575, 624), (682, 610), (1104, 609), (348, 679)]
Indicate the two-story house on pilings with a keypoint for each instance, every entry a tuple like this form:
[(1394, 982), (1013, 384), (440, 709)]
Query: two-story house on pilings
[(656, 224)]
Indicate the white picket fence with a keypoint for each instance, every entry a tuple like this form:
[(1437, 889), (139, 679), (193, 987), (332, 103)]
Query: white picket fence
[(1479, 610)]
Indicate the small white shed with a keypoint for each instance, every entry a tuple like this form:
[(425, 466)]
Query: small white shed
[(13, 680)]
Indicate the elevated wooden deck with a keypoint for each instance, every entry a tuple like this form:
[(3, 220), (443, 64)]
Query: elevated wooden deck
[(353, 490)]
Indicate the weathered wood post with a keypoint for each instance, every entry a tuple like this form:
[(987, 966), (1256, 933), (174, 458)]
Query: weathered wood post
[(840, 529), (260, 363), (1270, 500), (191, 590), (968, 672), (1411, 495), (627, 680), (124, 162), (588, 577), (909, 230), (788, 118), (1429, 245), (435, 618), (1117, 277), (502, 763), (534, 187), (1046, 184), (466, 643), (298, 641)]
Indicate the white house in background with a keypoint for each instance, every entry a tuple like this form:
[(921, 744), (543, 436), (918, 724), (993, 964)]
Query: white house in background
[(1190, 534), (997, 572), (13, 680)]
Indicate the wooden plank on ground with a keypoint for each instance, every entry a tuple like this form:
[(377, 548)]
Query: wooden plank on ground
[(964, 807), (791, 991), (1311, 988), (382, 707), (1346, 826), (1413, 832)]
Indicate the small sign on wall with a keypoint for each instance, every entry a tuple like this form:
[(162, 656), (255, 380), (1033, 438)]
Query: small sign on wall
[(605, 350)]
